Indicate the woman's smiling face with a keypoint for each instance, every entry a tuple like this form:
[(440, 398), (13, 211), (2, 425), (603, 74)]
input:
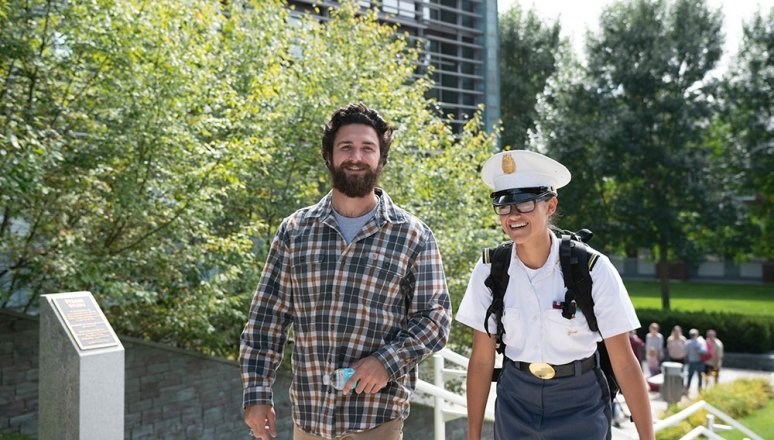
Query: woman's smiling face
[(523, 228)]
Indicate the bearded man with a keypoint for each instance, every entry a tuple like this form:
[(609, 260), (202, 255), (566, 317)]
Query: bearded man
[(362, 282)]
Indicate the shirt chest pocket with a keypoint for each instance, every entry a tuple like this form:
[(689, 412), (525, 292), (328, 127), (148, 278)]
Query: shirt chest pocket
[(559, 328), (380, 286), (312, 279), (311, 269), (515, 328)]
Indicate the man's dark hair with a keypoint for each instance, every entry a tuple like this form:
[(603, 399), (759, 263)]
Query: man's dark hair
[(357, 113)]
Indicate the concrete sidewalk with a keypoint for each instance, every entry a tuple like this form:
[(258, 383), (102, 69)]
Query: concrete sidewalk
[(659, 406)]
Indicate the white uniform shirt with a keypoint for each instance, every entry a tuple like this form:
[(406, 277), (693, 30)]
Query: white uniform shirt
[(534, 330)]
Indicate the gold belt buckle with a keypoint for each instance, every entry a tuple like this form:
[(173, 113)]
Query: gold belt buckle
[(542, 370)]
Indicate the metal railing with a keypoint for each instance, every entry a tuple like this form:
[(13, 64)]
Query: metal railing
[(442, 397), (449, 405), (709, 430)]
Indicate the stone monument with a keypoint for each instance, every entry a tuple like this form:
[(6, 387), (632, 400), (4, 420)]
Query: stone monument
[(81, 394)]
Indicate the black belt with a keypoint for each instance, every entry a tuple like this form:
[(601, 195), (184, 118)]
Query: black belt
[(543, 370)]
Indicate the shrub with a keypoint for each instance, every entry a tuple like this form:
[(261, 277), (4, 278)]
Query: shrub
[(737, 399), (739, 333)]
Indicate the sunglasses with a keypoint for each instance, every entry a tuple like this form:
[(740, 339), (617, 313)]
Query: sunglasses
[(523, 207)]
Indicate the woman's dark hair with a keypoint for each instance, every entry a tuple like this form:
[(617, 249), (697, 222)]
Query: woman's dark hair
[(357, 113)]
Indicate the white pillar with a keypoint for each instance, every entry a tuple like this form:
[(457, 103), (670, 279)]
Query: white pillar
[(439, 421)]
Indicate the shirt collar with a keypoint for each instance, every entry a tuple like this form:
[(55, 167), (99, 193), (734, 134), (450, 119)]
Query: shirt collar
[(552, 262), (386, 210)]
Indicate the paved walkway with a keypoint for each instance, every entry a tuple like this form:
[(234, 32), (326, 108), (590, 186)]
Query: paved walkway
[(659, 406)]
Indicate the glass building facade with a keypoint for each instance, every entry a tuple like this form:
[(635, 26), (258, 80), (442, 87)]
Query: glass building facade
[(459, 38)]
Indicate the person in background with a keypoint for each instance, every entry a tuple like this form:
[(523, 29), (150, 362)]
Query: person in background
[(638, 347), (551, 384), (676, 345), (654, 348), (713, 365), (654, 366), (362, 283), (693, 351)]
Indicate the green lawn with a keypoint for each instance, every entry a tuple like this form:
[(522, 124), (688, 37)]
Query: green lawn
[(760, 422), (748, 299)]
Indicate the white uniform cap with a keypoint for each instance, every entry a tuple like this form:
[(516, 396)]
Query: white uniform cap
[(522, 169)]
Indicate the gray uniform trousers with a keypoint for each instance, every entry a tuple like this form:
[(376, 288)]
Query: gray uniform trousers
[(572, 407)]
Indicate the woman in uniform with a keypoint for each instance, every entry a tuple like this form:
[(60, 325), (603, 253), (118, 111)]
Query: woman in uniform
[(574, 401)]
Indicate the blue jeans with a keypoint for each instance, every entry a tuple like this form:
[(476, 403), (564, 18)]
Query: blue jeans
[(694, 367)]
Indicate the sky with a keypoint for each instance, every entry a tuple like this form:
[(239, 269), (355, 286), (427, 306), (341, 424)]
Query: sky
[(578, 15)]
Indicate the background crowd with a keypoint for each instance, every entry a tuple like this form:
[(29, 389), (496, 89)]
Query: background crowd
[(700, 356)]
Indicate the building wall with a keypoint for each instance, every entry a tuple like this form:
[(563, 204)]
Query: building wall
[(724, 271), (18, 375), (460, 39)]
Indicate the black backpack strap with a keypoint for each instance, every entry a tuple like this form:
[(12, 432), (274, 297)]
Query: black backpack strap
[(497, 282), (577, 261), (569, 258)]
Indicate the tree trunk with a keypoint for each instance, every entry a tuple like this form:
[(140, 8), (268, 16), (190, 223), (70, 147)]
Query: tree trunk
[(663, 275)]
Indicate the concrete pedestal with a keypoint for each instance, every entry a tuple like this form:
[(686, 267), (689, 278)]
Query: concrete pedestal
[(81, 394)]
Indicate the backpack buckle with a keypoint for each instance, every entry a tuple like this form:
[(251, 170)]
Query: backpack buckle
[(569, 308)]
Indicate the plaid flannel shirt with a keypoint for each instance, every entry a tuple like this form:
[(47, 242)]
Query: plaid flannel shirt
[(384, 295)]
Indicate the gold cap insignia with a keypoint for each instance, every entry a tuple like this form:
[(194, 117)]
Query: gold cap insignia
[(508, 165)]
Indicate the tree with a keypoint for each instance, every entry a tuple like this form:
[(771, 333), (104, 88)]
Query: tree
[(568, 129), (106, 123), (745, 140), (148, 150), (527, 60), (645, 102)]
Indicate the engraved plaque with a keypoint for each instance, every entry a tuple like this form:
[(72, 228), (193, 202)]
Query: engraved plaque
[(85, 321)]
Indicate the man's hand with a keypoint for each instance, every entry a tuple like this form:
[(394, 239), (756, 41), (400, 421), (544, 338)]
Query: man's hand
[(262, 421), (370, 375)]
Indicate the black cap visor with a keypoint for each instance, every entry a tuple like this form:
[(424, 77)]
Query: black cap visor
[(518, 195)]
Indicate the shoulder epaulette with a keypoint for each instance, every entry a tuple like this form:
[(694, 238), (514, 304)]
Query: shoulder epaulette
[(593, 256)]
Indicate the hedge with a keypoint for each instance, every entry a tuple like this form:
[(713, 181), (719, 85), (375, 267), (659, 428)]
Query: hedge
[(739, 333)]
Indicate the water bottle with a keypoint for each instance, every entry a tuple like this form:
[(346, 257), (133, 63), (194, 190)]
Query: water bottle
[(339, 378)]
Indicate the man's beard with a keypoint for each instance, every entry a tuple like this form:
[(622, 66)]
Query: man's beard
[(355, 185)]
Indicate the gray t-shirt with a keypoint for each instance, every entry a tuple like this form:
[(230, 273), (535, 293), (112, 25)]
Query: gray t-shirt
[(350, 226)]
